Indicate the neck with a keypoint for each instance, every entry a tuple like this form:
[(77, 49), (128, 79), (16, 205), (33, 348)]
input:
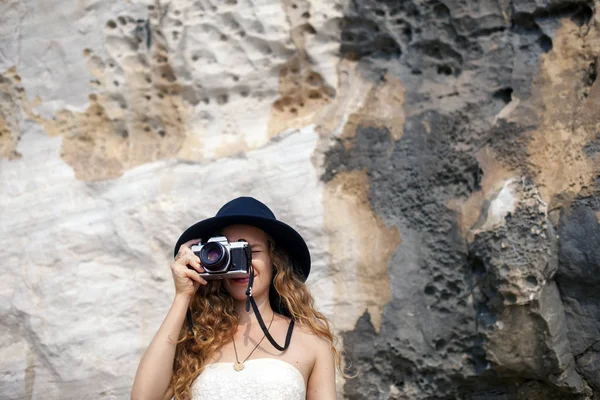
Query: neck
[(248, 317)]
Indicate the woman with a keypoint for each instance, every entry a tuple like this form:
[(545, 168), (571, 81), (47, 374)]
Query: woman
[(222, 352)]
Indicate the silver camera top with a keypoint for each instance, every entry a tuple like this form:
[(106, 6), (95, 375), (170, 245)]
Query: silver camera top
[(223, 240)]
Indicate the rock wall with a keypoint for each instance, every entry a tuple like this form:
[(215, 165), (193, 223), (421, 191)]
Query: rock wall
[(440, 157)]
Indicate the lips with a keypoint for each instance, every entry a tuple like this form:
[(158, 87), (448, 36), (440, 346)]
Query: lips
[(242, 280)]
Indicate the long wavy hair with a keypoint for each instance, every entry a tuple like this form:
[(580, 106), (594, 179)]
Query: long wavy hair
[(216, 321)]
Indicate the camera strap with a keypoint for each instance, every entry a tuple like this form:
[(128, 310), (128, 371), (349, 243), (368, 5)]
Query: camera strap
[(250, 301)]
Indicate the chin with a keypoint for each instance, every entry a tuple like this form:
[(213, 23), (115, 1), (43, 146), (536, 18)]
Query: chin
[(237, 291)]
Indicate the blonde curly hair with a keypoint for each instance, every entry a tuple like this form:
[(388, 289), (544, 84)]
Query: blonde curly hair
[(215, 321)]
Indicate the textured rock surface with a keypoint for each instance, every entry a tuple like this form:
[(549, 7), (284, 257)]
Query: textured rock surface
[(440, 157)]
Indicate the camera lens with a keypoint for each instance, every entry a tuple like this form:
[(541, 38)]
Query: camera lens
[(213, 256)]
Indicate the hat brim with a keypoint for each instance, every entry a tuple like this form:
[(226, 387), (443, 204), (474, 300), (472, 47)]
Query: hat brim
[(283, 234)]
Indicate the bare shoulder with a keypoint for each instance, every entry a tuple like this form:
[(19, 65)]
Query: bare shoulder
[(309, 338), (304, 338)]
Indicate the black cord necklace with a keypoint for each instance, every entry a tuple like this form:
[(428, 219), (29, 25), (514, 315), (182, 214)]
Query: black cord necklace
[(238, 366)]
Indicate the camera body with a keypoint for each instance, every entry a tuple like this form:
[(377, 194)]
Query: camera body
[(222, 259)]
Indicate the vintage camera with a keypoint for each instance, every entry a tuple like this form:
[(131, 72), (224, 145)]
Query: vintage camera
[(222, 259)]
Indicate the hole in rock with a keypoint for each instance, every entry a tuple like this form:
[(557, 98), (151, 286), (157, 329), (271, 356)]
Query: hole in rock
[(510, 298), (504, 94), (429, 290), (440, 344), (111, 24), (453, 287), (441, 11), (545, 43), (444, 70), (222, 99), (524, 23), (308, 28), (592, 73), (266, 49), (583, 15), (313, 79), (347, 37), (122, 20), (532, 280), (477, 265)]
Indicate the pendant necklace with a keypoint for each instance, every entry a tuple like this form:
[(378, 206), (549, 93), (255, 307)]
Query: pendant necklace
[(238, 366)]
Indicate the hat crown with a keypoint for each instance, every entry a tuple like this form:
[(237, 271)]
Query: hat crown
[(247, 206)]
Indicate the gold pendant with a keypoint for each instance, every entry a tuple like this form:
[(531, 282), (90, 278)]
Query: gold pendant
[(238, 366)]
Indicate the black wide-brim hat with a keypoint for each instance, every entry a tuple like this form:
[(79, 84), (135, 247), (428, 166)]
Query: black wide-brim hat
[(249, 211)]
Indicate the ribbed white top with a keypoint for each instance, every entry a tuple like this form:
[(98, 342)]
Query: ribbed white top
[(261, 379)]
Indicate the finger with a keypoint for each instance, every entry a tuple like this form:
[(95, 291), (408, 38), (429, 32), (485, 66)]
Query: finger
[(195, 262), (191, 260), (184, 256), (183, 251), (197, 266), (195, 277), (189, 243)]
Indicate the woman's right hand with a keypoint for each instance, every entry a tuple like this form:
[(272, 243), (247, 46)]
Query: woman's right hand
[(187, 281)]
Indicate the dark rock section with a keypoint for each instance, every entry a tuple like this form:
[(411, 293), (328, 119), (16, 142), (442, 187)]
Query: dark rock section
[(480, 319), (579, 281)]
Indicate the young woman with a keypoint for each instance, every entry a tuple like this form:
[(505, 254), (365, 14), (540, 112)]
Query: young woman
[(222, 352)]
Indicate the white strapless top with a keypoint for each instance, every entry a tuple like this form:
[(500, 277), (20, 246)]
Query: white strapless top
[(261, 379)]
